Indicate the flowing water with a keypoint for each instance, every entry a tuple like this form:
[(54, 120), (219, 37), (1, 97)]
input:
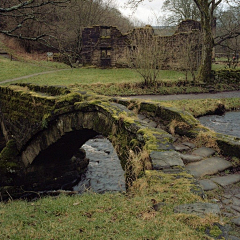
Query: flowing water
[(229, 123), (104, 171)]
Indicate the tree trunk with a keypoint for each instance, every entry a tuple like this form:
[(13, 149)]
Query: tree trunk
[(204, 74)]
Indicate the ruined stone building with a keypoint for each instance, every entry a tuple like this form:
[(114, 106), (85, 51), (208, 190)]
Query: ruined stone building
[(106, 46)]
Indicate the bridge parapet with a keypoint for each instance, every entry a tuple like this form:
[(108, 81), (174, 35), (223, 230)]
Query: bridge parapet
[(54, 123), (42, 125)]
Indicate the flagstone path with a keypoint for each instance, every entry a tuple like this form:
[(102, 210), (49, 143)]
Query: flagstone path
[(211, 170)]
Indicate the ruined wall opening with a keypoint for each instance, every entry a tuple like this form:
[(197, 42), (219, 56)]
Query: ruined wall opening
[(106, 57)]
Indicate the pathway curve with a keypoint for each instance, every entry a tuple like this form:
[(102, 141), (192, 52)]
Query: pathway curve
[(32, 75), (231, 94)]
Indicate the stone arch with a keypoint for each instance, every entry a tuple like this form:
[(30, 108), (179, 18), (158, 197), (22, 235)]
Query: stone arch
[(79, 126), (66, 133)]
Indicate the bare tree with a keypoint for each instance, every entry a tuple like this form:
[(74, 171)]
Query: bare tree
[(229, 25), (15, 14), (80, 14), (58, 24), (207, 10), (179, 10), (145, 54)]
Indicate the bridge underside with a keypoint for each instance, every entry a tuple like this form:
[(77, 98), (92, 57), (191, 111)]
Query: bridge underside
[(66, 146), (54, 167)]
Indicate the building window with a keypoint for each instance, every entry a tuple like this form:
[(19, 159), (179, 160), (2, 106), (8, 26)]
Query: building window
[(105, 32), (106, 53)]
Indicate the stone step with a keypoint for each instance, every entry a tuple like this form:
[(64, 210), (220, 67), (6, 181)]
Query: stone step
[(199, 209), (191, 145), (226, 180), (188, 158), (203, 152), (166, 159), (208, 166), (210, 184), (181, 147)]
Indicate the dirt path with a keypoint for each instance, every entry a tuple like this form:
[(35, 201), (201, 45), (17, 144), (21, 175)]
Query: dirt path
[(32, 75), (232, 94)]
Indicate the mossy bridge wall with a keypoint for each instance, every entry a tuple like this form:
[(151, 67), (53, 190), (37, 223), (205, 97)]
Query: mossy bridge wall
[(41, 124)]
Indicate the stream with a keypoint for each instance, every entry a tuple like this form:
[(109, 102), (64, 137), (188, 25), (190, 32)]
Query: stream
[(104, 172), (229, 123)]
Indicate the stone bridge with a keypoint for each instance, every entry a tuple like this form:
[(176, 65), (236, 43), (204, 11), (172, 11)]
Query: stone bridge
[(42, 127)]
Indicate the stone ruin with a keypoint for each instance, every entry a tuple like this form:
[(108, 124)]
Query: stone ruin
[(106, 46)]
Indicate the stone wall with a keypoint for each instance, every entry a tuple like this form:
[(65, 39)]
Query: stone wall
[(102, 46), (50, 125), (106, 46)]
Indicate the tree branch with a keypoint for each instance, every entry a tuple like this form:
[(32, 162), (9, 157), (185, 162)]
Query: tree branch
[(225, 37), (29, 4)]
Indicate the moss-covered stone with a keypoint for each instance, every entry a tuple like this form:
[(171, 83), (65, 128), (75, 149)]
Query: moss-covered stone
[(37, 119)]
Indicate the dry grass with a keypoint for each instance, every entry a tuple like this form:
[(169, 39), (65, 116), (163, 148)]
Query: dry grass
[(207, 139), (138, 161), (175, 124)]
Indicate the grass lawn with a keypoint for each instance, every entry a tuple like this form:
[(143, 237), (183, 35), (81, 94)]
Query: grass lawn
[(13, 69), (109, 216), (110, 82)]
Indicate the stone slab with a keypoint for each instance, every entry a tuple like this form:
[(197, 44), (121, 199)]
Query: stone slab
[(161, 160), (199, 209), (228, 196), (227, 214), (203, 152), (188, 158), (238, 196), (209, 166), (181, 147), (230, 237), (236, 221), (226, 180), (236, 201), (152, 124), (208, 185), (191, 145), (141, 117), (236, 208), (227, 201)]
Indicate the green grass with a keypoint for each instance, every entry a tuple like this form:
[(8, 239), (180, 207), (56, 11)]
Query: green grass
[(200, 107), (107, 216), (221, 66), (110, 82), (13, 69)]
